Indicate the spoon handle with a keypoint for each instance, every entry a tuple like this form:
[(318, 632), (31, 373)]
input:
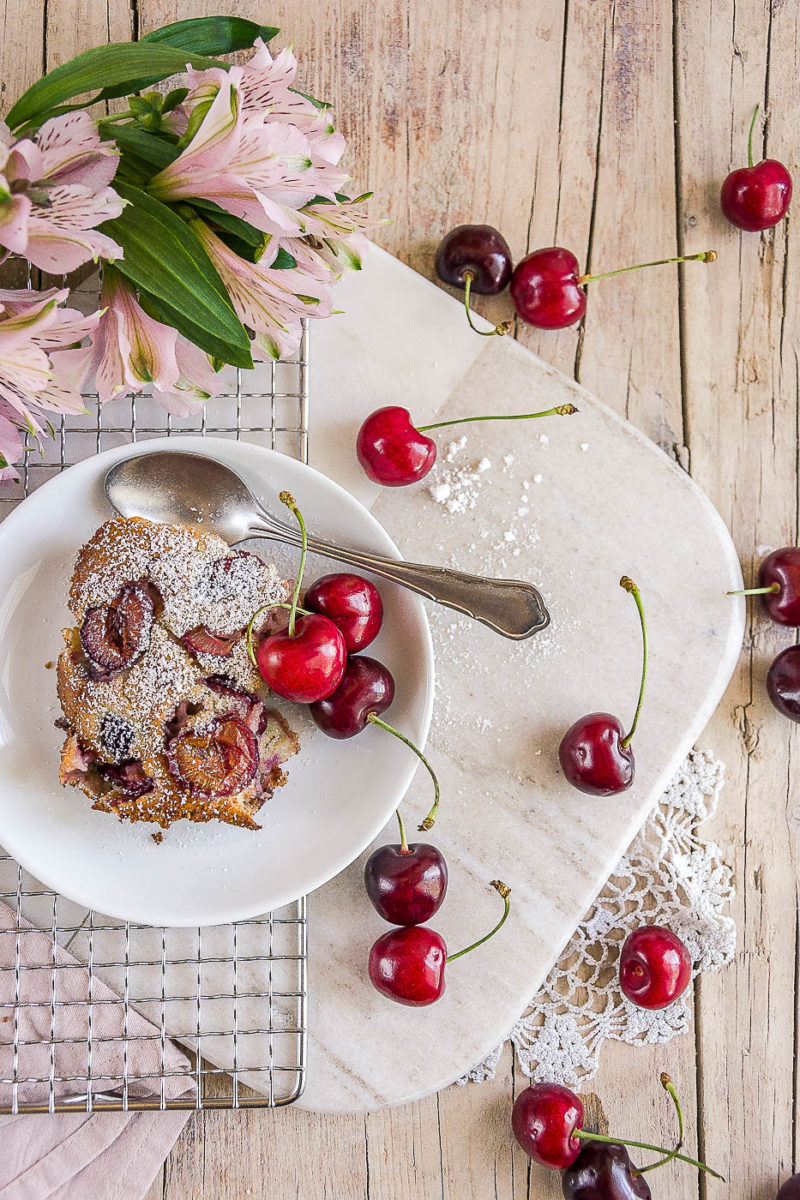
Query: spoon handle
[(508, 606)]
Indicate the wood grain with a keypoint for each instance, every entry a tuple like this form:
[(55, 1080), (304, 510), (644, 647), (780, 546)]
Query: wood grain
[(606, 127)]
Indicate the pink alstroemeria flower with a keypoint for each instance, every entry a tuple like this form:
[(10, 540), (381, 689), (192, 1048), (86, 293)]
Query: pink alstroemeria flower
[(270, 303), (131, 351), (255, 170), (54, 191), (34, 373)]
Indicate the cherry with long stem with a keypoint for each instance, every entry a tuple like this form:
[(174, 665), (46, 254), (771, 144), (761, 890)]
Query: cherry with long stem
[(595, 753), (707, 256), (306, 662), (394, 452)]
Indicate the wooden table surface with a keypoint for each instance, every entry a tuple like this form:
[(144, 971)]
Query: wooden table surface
[(605, 126)]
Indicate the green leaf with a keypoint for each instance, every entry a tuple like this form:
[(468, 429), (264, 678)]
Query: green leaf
[(284, 261), (241, 229), (312, 99), (164, 256), (118, 66), (157, 152), (220, 351), (212, 35)]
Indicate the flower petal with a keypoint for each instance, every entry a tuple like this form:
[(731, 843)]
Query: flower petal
[(73, 151)]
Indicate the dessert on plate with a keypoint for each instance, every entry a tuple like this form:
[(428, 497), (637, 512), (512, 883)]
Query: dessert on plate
[(165, 715)]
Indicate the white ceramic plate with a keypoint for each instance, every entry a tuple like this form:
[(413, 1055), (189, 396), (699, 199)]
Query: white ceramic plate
[(339, 794)]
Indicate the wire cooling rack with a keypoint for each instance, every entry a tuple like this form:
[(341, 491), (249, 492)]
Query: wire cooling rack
[(97, 1033)]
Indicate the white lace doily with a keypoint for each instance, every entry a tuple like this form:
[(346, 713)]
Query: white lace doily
[(670, 876)]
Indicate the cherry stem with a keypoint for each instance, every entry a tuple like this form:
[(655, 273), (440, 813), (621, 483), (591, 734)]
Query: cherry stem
[(631, 587), (561, 410), (251, 653), (499, 330), (428, 823), (505, 892), (288, 499), (704, 256), (772, 590), (750, 138), (584, 1136), (403, 841), (669, 1088)]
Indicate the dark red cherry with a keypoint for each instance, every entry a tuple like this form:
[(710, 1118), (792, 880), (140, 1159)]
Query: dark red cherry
[(407, 965), (757, 197), (604, 1171), (406, 886), (544, 1121), (352, 603), (783, 683), (593, 758), (790, 1190), (781, 570), (217, 761), (655, 968), (366, 688), (307, 666), (391, 450), (545, 288), (114, 636), (479, 250)]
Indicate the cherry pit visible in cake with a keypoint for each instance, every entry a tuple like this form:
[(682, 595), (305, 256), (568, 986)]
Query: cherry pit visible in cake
[(165, 715)]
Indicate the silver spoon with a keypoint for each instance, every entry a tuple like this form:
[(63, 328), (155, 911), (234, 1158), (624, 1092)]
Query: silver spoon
[(180, 488)]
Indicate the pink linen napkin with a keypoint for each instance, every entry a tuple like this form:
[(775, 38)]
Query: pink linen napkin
[(106, 1156)]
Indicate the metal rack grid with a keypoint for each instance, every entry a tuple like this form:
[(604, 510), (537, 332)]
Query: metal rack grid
[(234, 996)]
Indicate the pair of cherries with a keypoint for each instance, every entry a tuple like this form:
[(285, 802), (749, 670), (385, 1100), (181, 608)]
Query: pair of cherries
[(407, 884), (547, 286), (547, 1121), (779, 589)]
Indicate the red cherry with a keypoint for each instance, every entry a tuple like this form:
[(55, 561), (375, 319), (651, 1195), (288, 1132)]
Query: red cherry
[(407, 965), (391, 450), (655, 968), (366, 689), (790, 1190), (593, 757), (406, 884), (783, 683), (604, 1171), (756, 197), (352, 603), (479, 251), (545, 289), (544, 1120), (595, 753), (306, 666), (779, 586)]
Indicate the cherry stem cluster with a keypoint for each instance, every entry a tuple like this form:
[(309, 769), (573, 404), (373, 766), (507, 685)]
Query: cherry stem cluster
[(561, 410), (707, 256), (288, 499), (631, 587), (504, 891), (429, 821), (499, 330)]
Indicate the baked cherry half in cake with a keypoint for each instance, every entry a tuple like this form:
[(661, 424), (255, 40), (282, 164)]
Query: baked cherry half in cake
[(115, 635), (595, 753), (216, 761), (757, 196), (408, 964)]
